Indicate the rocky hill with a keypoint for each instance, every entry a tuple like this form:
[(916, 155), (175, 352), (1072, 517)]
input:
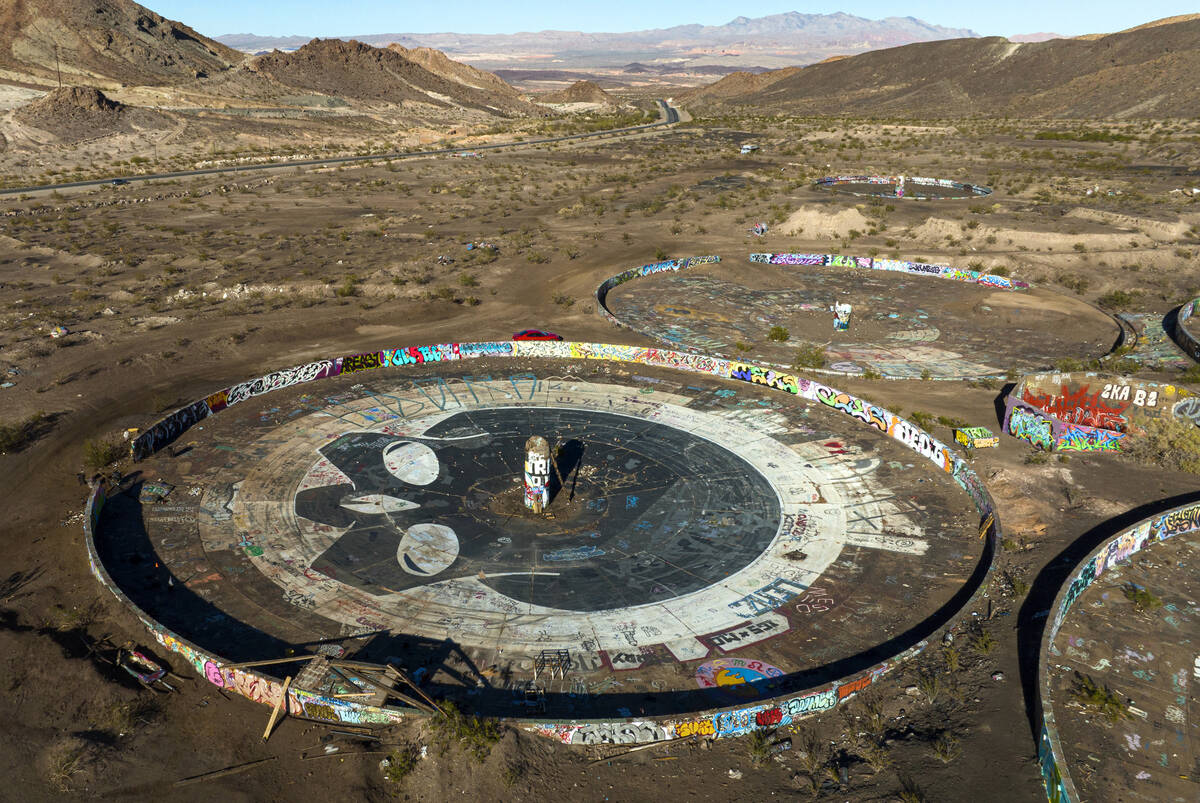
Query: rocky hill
[(738, 85), (75, 113), (579, 92), (104, 43), (1145, 72), (378, 75), (442, 65)]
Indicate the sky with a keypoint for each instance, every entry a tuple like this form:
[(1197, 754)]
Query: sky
[(361, 17)]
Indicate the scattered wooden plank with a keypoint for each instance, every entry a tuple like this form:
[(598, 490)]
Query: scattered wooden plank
[(280, 703), (212, 776), (400, 674), (245, 664), (640, 747)]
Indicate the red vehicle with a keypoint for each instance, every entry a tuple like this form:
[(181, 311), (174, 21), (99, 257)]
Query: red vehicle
[(536, 334)]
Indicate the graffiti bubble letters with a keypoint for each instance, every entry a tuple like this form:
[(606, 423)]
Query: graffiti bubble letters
[(767, 598), (1029, 426)]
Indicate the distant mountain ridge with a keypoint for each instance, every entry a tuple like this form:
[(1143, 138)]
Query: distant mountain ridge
[(777, 39), (1148, 71)]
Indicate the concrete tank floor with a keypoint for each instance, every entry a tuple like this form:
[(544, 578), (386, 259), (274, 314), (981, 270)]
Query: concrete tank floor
[(711, 543), (902, 325)]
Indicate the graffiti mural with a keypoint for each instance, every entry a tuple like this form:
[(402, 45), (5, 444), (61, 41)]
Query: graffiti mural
[(764, 376), (1027, 425), (1075, 438), (167, 430), (278, 380), (899, 266), (1188, 409), (736, 677), (1079, 406), (1085, 412)]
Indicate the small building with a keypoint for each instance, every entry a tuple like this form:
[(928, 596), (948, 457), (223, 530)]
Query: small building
[(976, 437), (748, 149)]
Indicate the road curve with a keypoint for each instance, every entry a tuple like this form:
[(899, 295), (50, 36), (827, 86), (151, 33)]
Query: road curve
[(669, 113)]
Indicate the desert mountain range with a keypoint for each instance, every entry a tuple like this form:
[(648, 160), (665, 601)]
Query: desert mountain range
[(145, 60), (772, 41), (1148, 71)]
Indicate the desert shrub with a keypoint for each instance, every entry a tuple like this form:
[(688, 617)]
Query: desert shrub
[(1141, 598), (1088, 693), (1072, 282), (477, 734), (1068, 364), (98, 454), (1191, 374), (809, 355), (984, 641), (946, 747), (909, 792), (1119, 300), (400, 764), (952, 658), (1169, 442), (15, 437), (921, 418), (779, 334), (759, 748), (930, 685)]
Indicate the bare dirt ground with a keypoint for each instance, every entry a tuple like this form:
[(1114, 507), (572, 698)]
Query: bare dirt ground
[(173, 289)]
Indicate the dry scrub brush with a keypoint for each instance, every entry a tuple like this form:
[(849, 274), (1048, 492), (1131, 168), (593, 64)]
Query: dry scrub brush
[(1167, 442)]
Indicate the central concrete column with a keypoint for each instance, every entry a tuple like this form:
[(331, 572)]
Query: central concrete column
[(537, 473)]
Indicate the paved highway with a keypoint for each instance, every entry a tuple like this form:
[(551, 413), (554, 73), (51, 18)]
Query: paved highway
[(670, 116)]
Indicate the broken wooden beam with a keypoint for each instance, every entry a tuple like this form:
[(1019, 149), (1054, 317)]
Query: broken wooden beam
[(280, 703)]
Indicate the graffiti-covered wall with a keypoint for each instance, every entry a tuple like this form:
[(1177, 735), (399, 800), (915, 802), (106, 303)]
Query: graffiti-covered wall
[(914, 268), (726, 722), (965, 190), (1180, 521), (1184, 337), (1088, 411), (643, 270)]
